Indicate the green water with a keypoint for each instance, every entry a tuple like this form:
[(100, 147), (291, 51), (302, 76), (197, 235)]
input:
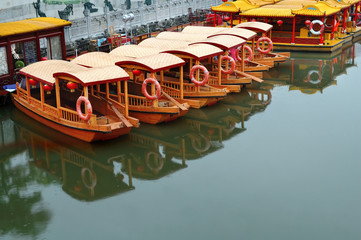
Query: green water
[(281, 160)]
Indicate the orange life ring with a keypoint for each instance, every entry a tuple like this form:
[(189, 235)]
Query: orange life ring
[(206, 75), (157, 87), (88, 106), (233, 65), (250, 54), (270, 45)]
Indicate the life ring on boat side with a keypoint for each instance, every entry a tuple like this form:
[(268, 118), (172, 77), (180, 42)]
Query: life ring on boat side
[(319, 31), (250, 54), (233, 65), (329, 26), (310, 73), (206, 75), (88, 106), (157, 87), (92, 175), (268, 49)]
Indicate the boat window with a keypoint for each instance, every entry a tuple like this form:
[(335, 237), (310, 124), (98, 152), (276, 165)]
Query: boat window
[(50, 47), (31, 53), (17, 52), (3, 61), (55, 47)]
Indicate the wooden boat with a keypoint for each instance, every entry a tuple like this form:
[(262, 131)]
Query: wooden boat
[(20, 44), (220, 77), (270, 57), (197, 55), (61, 109), (164, 109), (248, 65), (175, 86), (332, 27)]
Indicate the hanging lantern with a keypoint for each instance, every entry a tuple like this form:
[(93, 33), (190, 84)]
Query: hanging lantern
[(71, 86), (47, 88), (43, 59), (224, 0), (307, 22), (280, 23), (253, 20), (227, 18), (33, 83), (136, 72)]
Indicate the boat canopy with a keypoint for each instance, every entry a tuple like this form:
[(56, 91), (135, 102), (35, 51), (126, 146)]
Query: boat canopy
[(93, 76), (154, 63), (223, 42), (255, 26), (235, 7), (163, 44), (43, 71), (317, 9), (134, 51), (237, 32), (31, 25), (202, 30), (197, 51), (98, 59), (187, 37), (269, 11)]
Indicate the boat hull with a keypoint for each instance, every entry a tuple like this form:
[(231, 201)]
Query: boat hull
[(81, 134)]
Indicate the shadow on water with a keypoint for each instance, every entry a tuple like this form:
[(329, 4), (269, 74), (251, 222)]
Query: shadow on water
[(31, 154)]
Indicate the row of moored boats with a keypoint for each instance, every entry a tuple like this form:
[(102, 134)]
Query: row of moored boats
[(99, 96)]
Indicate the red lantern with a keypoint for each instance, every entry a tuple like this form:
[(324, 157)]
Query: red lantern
[(136, 72), (43, 59), (47, 88), (224, 0), (72, 86), (227, 18), (307, 22), (253, 20), (33, 83), (280, 22)]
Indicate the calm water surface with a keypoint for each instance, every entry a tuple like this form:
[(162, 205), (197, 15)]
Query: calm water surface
[(279, 161)]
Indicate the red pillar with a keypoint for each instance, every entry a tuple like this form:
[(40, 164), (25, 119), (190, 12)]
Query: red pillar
[(333, 27), (357, 4), (321, 38), (214, 20), (344, 20), (231, 20), (293, 30)]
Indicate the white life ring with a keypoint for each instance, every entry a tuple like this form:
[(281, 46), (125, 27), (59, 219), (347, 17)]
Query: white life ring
[(319, 31)]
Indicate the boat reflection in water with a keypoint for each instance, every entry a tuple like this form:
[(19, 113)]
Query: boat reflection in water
[(310, 75)]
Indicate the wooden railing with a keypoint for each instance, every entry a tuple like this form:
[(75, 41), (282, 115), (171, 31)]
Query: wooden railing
[(137, 101), (69, 115), (50, 110), (22, 94), (170, 91), (171, 85)]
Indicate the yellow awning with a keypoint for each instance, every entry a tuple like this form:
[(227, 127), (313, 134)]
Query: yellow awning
[(268, 12), (238, 6), (317, 9), (31, 25)]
